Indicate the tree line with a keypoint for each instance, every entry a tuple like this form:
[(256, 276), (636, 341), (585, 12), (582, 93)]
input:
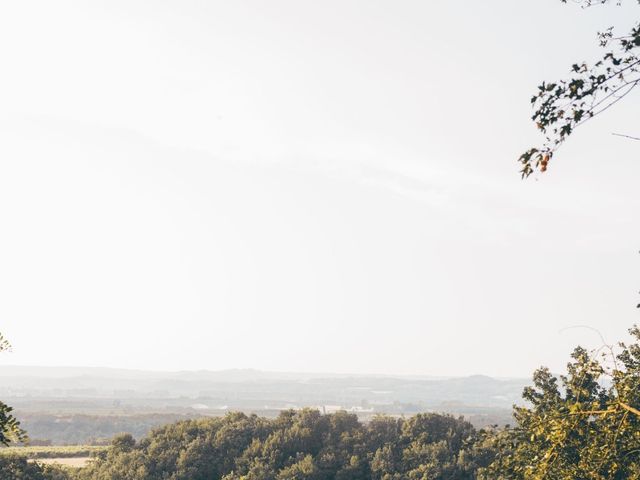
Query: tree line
[(302, 444), (584, 424)]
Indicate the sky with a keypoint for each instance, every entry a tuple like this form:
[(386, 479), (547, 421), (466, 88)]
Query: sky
[(307, 186)]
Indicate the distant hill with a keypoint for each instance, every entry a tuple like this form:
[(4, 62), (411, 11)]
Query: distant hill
[(256, 388), (47, 398)]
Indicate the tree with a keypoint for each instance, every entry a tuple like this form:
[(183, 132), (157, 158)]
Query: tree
[(585, 424), (10, 430), (298, 445), (562, 106), (14, 467)]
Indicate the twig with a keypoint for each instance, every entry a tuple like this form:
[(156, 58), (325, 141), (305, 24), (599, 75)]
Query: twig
[(625, 136)]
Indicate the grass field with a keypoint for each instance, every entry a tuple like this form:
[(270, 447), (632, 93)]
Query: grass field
[(73, 462), (53, 452)]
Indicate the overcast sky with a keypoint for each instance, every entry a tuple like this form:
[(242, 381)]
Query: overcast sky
[(310, 186)]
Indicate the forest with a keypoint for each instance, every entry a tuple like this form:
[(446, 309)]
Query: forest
[(582, 424), (296, 445)]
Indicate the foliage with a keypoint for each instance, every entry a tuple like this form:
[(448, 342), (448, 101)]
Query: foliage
[(581, 425), (585, 424), (297, 445), (563, 105), (16, 467), (10, 430)]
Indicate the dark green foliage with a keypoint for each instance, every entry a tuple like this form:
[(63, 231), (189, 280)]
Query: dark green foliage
[(15, 467), (10, 430), (563, 105), (298, 445)]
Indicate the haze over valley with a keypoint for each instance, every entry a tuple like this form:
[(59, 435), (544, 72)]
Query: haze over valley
[(47, 398)]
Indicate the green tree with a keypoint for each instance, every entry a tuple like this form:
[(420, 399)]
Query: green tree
[(14, 467), (584, 424), (562, 106), (298, 445), (303, 469), (10, 430)]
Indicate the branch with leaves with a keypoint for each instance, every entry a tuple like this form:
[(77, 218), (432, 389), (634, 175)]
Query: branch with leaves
[(562, 106), (584, 424), (10, 430)]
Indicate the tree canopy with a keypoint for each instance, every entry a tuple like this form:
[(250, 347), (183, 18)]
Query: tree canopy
[(584, 424), (297, 445), (563, 105)]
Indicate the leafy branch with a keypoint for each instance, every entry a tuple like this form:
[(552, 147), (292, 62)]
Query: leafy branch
[(584, 424), (562, 106), (10, 430)]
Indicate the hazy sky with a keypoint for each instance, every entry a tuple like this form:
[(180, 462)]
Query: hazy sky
[(309, 186)]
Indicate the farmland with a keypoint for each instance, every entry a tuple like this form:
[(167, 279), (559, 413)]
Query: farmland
[(74, 456), (49, 452)]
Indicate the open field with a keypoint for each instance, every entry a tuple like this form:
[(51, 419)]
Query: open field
[(73, 462), (49, 453)]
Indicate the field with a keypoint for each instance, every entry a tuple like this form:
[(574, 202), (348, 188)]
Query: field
[(73, 462), (75, 456), (73, 451)]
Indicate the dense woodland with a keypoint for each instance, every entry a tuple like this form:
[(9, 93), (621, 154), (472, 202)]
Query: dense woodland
[(297, 445)]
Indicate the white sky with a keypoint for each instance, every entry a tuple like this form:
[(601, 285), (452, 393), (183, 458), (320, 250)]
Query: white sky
[(308, 186)]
